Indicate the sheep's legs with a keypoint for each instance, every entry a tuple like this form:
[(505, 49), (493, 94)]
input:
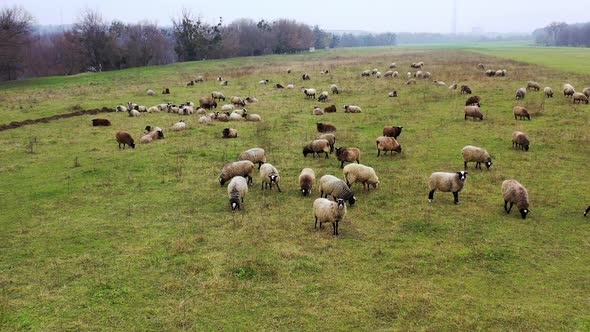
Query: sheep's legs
[(506, 206), (326, 155), (456, 195), (510, 208), (464, 165), (587, 210), (378, 152), (335, 227), (279, 188), (316, 223), (342, 164), (431, 195)]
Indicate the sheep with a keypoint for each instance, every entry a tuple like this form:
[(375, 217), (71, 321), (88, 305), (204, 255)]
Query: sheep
[(180, 125), (447, 182), (361, 173), (269, 175), (515, 193), (334, 89), (224, 83), (419, 74), (388, 73), (317, 111), (306, 181), (409, 75), (333, 186), (586, 92), (191, 83), (279, 86), (289, 71), (473, 101), (290, 86), (480, 66), (323, 97), (152, 135), (521, 112), (166, 91), (101, 122), (163, 106), (131, 106), (352, 109), (393, 65), (133, 113), (395, 74), (392, 94), (331, 138), (504, 72), (199, 79), (309, 93), (150, 92), (222, 117), (410, 82), (520, 93), (325, 128), (201, 111), (366, 73), (125, 138), (475, 154), (385, 144), (326, 71), (305, 77), (349, 155), (473, 112), (499, 73), (255, 155), (548, 92), (533, 86), (392, 131), (378, 74), (453, 86), (427, 75), (439, 83), (465, 89), (586, 212), (520, 140), (207, 103), (325, 210), (252, 117), (330, 109), (316, 147), (120, 108), (238, 101), (580, 97), (216, 95), (185, 110), (173, 109), (251, 100), (205, 119), (235, 116), (237, 168), (141, 108), (229, 133), (568, 90), (490, 73), (263, 82), (219, 79), (236, 190), (374, 71), (227, 107)]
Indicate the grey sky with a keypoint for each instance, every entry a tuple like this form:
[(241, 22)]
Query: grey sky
[(377, 16)]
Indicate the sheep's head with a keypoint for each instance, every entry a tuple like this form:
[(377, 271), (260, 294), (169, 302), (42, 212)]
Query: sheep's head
[(462, 175), (398, 149), (148, 129), (305, 192), (160, 134), (273, 178), (524, 212), (340, 203), (222, 179), (234, 203), (489, 163), (351, 201)]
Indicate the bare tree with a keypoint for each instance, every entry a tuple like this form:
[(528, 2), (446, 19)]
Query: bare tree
[(92, 32), (16, 26), (195, 39)]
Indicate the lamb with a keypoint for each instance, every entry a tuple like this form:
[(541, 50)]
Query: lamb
[(453, 86), (238, 101), (352, 109), (333, 186), (548, 92), (230, 133), (323, 97), (180, 125), (533, 86), (306, 181), (237, 168), (309, 93), (520, 93), (125, 138), (255, 155), (515, 193), (473, 101), (361, 173), (465, 89), (392, 131), (385, 144), (366, 73), (393, 65), (316, 147), (325, 128), (251, 100), (120, 108), (580, 97), (325, 210), (269, 175), (290, 86), (101, 122), (224, 83), (568, 90), (348, 154), (521, 112), (447, 182), (334, 89), (150, 92), (152, 135), (236, 190), (227, 107), (392, 94), (586, 92), (473, 112), (475, 154), (317, 111), (439, 83), (252, 117), (520, 140), (207, 103), (263, 82), (330, 109), (305, 77), (133, 113), (205, 119), (388, 73), (331, 138), (216, 95)]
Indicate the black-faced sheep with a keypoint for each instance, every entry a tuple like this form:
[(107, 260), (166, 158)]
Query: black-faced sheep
[(388, 73), (237, 168), (191, 83), (465, 89), (446, 182), (207, 103), (548, 92), (166, 91), (385, 144), (352, 109), (586, 92), (392, 131), (101, 122), (490, 73), (392, 94), (180, 125), (533, 86), (410, 82), (330, 109), (120, 108), (568, 90), (216, 95), (263, 82), (238, 101), (224, 83), (309, 93), (473, 101), (199, 79), (305, 77), (521, 113), (515, 193), (125, 138), (251, 100), (348, 155), (333, 186), (366, 73), (439, 83), (153, 134), (255, 155), (580, 98), (334, 89), (229, 133), (520, 93), (269, 175), (453, 86), (316, 147), (133, 113), (236, 190), (252, 117), (586, 212), (331, 138), (279, 86), (318, 111), (393, 65), (481, 66), (325, 128), (361, 173), (477, 155), (306, 181), (473, 112), (323, 97), (520, 140), (325, 211)]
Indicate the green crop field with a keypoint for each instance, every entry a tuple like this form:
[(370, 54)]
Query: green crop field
[(97, 238)]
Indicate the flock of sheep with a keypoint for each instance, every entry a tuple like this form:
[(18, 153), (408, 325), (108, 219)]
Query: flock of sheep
[(240, 173)]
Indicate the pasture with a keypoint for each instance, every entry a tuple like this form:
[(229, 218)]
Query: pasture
[(93, 237)]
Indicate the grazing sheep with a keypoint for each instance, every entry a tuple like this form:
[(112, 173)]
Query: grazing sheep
[(290, 86), (427, 75), (238, 101), (325, 128), (219, 79), (101, 122), (305, 77), (205, 119), (520, 140), (331, 138), (374, 71), (199, 79), (352, 109), (499, 72), (306, 181), (348, 155), (439, 83), (465, 89), (504, 72), (361, 173), (521, 112), (325, 210), (330, 109), (385, 144), (180, 125), (409, 75), (586, 92), (166, 91), (150, 92), (154, 109), (255, 155), (480, 66), (392, 94), (490, 73), (227, 107), (548, 92), (207, 103), (366, 73), (419, 74), (153, 134), (237, 168), (410, 82), (333, 186), (251, 100), (586, 212), (446, 182), (289, 71), (230, 133), (395, 74), (388, 73), (269, 175), (392, 131), (216, 95), (334, 89), (191, 83), (279, 86), (224, 83), (378, 74), (520, 93), (533, 86), (264, 82), (515, 193), (133, 113), (125, 138), (473, 112), (323, 97), (185, 110), (316, 147), (453, 86), (325, 71), (473, 101), (580, 97), (475, 154), (252, 117), (568, 90), (317, 111), (393, 65), (309, 93), (120, 108), (236, 190)]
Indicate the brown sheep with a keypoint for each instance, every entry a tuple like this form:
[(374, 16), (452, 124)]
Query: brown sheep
[(125, 138), (348, 155), (385, 144), (465, 89), (330, 109), (521, 112), (207, 103), (580, 98), (100, 122), (473, 101), (392, 131), (325, 128), (166, 91)]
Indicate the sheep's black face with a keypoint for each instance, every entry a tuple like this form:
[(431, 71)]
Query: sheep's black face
[(234, 205), (273, 178), (340, 202), (462, 175), (526, 147), (375, 185), (398, 149), (132, 145), (489, 164), (221, 181), (160, 134), (148, 129), (305, 192), (352, 200), (524, 212)]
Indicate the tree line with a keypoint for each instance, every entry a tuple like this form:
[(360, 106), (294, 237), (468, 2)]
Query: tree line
[(95, 44), (563, 34)]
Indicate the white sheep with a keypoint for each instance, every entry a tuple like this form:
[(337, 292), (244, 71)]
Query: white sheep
[(333, 186), (255, 155), (133, 113), (217, 95), (180, 125), (205, 119), (229, 133), (290, 86), (152, 135), (236, 190), (317, 111), (252, 117), (323, 97), (352, 109), (235, 116), (476, 154), (361, 173), (150, 92), (120, 108), (269, 175), (325, 210), (227, 107), (447, 182), (439, 83), (309, 93), (515, 193), (263, 82), (306, 181), (548, 92), (473, 112)]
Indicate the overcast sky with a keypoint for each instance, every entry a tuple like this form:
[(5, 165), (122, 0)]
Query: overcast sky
[(375, 16)]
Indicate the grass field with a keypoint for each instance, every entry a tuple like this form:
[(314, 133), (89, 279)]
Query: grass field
[(97, 238)]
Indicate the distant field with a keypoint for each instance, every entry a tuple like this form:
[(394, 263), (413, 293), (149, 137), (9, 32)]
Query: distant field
[(97, 238)]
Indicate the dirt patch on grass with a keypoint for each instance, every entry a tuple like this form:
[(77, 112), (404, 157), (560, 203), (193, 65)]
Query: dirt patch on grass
[(18, 124)]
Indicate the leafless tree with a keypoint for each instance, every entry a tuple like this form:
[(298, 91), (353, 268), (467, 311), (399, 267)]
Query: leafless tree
[(16, 26)]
